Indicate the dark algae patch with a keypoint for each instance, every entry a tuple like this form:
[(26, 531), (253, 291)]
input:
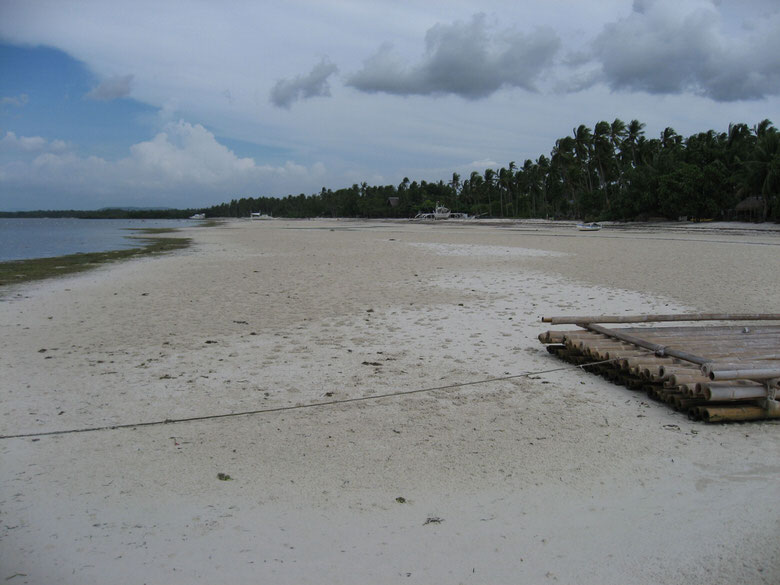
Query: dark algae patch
[(19, 271)]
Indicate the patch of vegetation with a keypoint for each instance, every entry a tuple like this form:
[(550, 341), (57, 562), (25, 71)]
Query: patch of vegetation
[(19, 271), (152, 231)]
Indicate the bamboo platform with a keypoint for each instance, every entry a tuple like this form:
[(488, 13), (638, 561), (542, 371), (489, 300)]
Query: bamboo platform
[(714, 373)]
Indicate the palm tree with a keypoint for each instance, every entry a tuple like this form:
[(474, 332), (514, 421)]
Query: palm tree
[(505, 183), (475, 187), (489, 183), (617, 132), (510, 189), (523, 186), (604, 155), (455, 185), (542, 178), (670, 138), (634, 132), (763, 169), (762, 127), (564, 164), (583, 147)]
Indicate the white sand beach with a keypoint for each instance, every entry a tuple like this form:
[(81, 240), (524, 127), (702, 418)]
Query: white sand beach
[(553, 477)]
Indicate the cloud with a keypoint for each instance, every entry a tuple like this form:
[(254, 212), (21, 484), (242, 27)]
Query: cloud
[(183, 165), (13, 143), (15, 100), (112, 88), (465, 59), (673, 47), (287, 91)]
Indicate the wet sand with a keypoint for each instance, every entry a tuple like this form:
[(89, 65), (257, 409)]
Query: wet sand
[(555, 476)]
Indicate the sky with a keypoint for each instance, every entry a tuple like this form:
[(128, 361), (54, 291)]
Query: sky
[(191, 104)]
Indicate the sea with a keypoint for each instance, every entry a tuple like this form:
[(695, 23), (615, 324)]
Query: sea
[(25, 238)]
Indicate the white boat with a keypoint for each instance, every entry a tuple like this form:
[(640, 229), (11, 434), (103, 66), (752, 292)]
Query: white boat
[(441, 212), (259, 215), (198, 216), (589, 227)]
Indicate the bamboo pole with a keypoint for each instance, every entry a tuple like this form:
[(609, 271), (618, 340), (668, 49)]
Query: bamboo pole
[(659, 318), (723, 344), (553, 336), (660, 334), (710, 350), (750, 363), (680, 379), (719, 329), (665, 370), (732, 392), (735, 413), (684, 403), (648, 358), (751, 374)]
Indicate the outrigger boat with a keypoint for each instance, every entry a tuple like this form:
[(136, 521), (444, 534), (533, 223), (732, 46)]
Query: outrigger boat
[(441, 212)]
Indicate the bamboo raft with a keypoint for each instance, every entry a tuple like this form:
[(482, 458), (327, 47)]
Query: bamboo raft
[(714, 373)]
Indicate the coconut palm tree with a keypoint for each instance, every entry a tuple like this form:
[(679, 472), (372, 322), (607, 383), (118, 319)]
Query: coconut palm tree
[(604, 156), (634, 132), (763, 169), (564, 164), (489, 185), (583, 148)]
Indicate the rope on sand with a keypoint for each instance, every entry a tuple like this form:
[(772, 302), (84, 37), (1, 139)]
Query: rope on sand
[(169, 421)]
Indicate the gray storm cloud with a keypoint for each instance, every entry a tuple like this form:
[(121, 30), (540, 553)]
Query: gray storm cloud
[(112, 88), (661, 50), (462, 59), (287, 91)]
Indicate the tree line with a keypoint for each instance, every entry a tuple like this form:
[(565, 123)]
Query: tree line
[(610, 172)]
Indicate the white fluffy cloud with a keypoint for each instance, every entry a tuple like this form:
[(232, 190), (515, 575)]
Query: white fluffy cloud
[(183, 165), (13, 143)]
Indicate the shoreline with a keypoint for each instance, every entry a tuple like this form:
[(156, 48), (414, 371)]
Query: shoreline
[(550, 476), (90, 260), (17, 272)]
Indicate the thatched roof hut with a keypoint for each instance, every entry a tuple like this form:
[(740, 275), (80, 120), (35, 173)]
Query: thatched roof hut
[(751, 208), (750, 204)]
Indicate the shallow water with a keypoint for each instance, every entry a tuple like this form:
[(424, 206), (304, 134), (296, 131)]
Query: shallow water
[(23, 238)]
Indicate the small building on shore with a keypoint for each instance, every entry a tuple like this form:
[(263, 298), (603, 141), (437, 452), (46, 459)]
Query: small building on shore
[(750, 209)]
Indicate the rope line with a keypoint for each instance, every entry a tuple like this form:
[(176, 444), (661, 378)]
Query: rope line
[(168, 421)]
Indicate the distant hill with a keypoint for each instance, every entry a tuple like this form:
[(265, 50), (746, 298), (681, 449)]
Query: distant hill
[(109, 213)]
